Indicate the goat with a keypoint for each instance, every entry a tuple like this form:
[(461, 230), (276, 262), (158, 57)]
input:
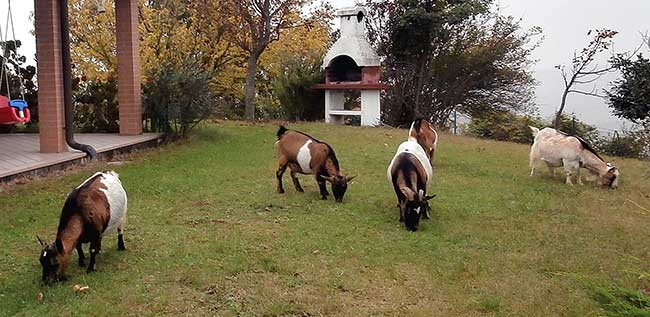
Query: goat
[(93, 209), (422, 131), (305, 155), (410, 172), (556, 148)]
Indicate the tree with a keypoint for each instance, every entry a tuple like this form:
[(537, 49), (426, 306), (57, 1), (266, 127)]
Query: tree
[(288, 69), (629, 96), (92, 40), (440, 56), (584, 70), (254, 24), (170, 30)]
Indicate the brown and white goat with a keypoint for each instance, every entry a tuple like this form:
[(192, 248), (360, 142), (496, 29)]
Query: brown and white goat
[(410, 172), (306, 155), (422, 131), (555, 148), (93, 209)]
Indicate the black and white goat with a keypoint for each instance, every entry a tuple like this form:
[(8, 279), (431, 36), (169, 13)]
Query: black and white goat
[(410, 172)]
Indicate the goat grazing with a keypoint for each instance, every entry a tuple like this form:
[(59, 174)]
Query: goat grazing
[(93, 209), (555, 149), (410, 172), (306, 155)]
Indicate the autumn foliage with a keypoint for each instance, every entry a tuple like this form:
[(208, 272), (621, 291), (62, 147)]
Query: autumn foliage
[(218, 42)]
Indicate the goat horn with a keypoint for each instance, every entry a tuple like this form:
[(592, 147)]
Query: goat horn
[(40, 241)]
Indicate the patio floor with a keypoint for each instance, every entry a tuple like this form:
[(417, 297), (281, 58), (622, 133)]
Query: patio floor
[(19, 153)]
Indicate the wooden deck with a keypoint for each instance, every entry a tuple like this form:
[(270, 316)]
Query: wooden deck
[(19, 153)]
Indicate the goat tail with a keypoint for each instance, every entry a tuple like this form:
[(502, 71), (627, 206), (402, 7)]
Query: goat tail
[(281, 130), (535, 130)]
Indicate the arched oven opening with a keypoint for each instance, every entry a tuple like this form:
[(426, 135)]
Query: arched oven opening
[(343, 69)]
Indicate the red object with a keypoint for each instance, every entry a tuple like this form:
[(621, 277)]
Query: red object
[(11, 115), (349, 85)]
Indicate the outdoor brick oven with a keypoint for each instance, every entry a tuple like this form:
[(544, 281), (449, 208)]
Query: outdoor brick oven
[(352, 65)]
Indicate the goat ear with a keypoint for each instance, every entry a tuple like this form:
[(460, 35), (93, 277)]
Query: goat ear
[(40, 241), (426, 198), (410, 195), (349, 178), (59, 245)]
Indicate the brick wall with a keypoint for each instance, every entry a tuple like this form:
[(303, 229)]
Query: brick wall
[(128, 67), (50, 79)]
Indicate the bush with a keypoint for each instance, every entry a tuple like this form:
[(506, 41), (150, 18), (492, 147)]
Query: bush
[(572, 125), (629, 143), (298, 101), (177, 97), (96, 107), (504, 126), (508, 126)]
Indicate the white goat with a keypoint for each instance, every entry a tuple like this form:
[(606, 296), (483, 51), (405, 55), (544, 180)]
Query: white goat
[(557, 149)]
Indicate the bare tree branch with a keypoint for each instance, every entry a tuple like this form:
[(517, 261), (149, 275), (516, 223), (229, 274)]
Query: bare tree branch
[(587, 93), (583, 68), (589, 81)]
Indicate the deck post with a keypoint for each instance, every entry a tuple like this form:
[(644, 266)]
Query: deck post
[(50, 78), (128, 67)]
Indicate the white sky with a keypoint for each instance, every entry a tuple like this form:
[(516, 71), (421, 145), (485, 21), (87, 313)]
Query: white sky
[(22, 10), (564, 23)]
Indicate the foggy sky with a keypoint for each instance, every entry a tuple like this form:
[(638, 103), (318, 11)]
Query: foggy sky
[(564, 24)]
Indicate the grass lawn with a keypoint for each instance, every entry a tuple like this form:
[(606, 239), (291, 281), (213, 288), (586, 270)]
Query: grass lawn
[(208, 235)]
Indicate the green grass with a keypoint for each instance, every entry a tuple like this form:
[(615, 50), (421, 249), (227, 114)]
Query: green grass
[(208, 235)]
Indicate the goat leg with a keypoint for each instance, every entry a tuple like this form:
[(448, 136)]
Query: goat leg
[(82, 257), (322, 186), (95, 247), (278, 175), (120, 239)]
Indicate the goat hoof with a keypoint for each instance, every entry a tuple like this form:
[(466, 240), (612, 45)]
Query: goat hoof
[(300, 190), (90, 270), (121, 248), (323, 198), (280, 191), (82, 263)]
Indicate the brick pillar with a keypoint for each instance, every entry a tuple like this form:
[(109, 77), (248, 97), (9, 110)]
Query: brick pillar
[(128, 67), (50, 78)]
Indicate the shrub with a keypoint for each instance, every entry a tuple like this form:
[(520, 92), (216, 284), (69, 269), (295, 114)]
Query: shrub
[(572, 125), (96, 107), (298, 101), (633, 143), (504, 126), (508, 126), (177, 97)]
